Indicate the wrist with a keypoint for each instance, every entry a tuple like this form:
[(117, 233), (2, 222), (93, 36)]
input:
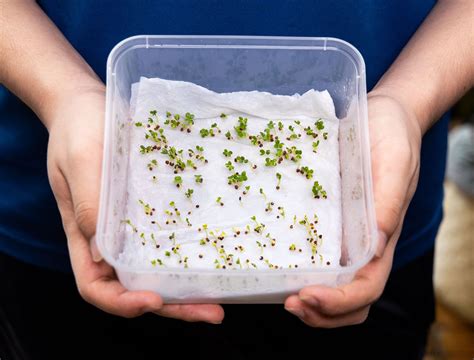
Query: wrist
[(52, 104), (387, 104), (415, 115)]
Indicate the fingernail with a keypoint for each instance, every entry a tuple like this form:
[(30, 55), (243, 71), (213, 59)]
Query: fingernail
[(310, 300), (297, 312), (96, 256), (154, 309), (215, 322), (382, 243)]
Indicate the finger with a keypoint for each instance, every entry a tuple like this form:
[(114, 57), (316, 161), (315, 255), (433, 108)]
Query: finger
[(63, 197), (96, 282), (393, 165), (213, 314), (337, 301), (110, 296), (96, 255), (84, 170), (98, 285), (364, 290), (389, 195), (312, 317), (382, 243), (80, 161)]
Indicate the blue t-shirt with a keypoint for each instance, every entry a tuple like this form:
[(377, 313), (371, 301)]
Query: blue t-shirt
[(30, 226)]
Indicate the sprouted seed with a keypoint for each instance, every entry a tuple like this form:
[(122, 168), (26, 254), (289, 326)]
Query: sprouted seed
[(219, 201), (315, 146), (278, 176), (146, 208), (270, 162), (198, 179), (157, 262), (269, 207), (305, 171), (178, 181), (319, 124), (318, 191), (189, 193), (281, 210), (229, 166), (241, 160), (241, 128), (237, 179), (129, 223)]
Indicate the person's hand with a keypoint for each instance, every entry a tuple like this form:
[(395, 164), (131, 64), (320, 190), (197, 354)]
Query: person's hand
[(74, 168), (395, 138)]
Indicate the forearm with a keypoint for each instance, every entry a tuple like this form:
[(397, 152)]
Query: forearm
[(36, 62), (437, 66)]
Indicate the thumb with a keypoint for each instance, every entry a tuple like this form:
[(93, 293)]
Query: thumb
[(84, 184), (395, 179), (395, 159)]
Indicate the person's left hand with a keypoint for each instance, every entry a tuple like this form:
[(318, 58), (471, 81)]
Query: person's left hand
[(395, 138)]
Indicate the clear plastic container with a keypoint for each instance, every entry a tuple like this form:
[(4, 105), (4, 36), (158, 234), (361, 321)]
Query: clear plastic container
[(279, 65)]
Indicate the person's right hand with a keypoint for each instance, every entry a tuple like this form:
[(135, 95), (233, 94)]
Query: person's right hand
[(74, 167), (395, 141)]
